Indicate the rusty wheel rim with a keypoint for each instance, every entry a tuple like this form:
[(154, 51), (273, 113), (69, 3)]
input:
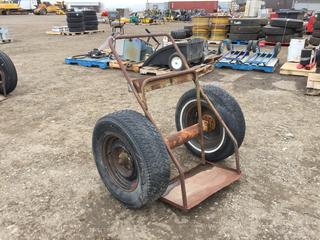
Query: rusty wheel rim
[(120, 164)]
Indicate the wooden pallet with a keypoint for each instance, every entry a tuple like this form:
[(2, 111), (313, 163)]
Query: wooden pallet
[(159, 71), (131, 66), (53, 33), (313, 84), (291, 69)]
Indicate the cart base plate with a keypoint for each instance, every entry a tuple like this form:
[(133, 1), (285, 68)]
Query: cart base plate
[(201, 182)]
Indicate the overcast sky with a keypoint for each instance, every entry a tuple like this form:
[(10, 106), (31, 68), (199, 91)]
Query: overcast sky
[(134, 4)]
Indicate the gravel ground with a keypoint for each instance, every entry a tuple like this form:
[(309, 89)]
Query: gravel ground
[(49, 185)]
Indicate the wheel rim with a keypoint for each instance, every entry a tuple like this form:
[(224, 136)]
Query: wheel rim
[(214, 138), (176, 63), (120, 164)]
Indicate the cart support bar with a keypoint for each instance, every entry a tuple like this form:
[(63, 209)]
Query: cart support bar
[(185, 135)]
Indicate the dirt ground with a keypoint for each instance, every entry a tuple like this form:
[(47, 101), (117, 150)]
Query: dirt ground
[(49, 185)]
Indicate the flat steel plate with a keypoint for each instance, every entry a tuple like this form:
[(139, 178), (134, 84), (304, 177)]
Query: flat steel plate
[(200, 184)]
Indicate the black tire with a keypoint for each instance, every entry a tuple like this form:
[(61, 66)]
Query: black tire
[(314, 41), (229, 110), (179, 34), (279, 38), (89, 13), (188, 32), (175, 62), (298, 35), (74, 14), (90, 18), (316, 25), (74, 19), (91, 23), (129, 133), (318, 59), (224, 45), (75, 25), (316, 33), (239, 29), (249, 21), (244, 37), (76, 29), (277, 49), (10, 73), (286, 23), (269, 30), (91, 27)]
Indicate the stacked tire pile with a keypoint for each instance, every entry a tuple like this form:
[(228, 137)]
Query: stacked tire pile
[(75, 21), (90, 20), (315, 38), (245, 29), (282, 30)]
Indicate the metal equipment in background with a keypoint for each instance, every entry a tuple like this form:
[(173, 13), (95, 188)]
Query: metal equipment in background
[(133, 156), (250, 58)]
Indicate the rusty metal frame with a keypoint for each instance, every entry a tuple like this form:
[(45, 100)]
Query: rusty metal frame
[(200, 93)]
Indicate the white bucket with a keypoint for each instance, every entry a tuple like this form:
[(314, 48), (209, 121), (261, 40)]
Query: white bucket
[(295, 48)]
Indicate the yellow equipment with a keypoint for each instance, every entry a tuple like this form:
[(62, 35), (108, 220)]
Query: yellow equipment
[(46, 7), (6, 6)]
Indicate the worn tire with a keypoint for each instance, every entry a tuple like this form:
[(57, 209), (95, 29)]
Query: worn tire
[(229, 110), (318, 59), (89, 13), (249, 21), (79, 29), (314, 41), (316, 25), (91, 23), (90, 18), (91, 27), (269, 30), (279, 38), (239, 29), (179, 34), (286, 23), (76, 25), (74, 19), (7, 66), (146, 150), (253, 36), (74, 14), (316, 33)]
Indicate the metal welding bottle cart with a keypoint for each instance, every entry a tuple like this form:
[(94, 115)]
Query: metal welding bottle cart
[(133, 156)]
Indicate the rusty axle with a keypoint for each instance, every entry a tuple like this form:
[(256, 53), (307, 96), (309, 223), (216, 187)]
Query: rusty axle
[(185, 135)]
